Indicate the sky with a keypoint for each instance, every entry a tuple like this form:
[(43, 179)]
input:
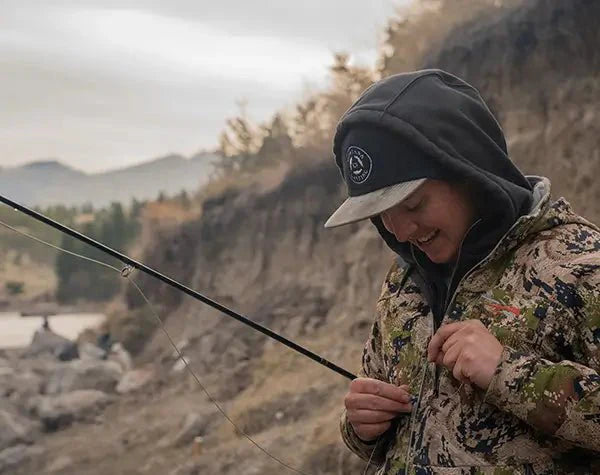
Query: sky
[(103, 84)]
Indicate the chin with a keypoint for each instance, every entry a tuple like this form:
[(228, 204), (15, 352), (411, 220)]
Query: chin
[(440, 258), (437, 260)]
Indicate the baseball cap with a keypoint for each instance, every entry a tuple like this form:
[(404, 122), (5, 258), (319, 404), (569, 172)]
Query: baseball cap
[(381, 169)]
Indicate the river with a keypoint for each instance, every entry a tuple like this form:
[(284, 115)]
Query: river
[(17, 331)]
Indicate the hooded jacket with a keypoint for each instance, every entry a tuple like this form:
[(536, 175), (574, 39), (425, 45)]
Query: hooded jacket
[(529, 269)]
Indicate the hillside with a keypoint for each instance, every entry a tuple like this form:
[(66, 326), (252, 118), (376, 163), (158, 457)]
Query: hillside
[(263, 251), (50, 182)]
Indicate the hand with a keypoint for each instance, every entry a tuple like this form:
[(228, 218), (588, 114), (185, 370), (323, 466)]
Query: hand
[(371, 405), (467, 349)]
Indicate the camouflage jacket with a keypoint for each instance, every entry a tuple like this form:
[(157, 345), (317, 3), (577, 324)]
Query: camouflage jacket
[(538, 292)]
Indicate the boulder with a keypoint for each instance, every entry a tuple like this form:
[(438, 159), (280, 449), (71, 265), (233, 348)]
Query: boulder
[(61, 410), (134, 379), (18, 386), (16, 429), (89, 351), (84, 374), (48, 342), (12, 457), (121, 356)]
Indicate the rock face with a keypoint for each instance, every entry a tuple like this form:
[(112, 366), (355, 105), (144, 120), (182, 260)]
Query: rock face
[(269, 254)]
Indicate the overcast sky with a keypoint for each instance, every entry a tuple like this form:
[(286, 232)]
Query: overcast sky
[(102, 84)]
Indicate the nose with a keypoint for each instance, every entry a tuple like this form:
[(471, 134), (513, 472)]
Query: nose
[(400, 225)]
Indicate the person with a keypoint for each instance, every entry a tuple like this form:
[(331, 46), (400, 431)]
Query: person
[(484, 353)]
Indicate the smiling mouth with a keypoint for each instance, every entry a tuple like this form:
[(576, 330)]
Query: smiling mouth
[(424, 240)]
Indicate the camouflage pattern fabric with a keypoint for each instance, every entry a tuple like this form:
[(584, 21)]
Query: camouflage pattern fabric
[(538, 292)]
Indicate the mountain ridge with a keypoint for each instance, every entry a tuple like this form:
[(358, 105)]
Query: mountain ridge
[(43, 182)]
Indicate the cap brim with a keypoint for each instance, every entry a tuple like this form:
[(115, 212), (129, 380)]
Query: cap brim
[(357, 208)]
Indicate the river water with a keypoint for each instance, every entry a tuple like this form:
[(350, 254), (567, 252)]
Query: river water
[(17, 331)]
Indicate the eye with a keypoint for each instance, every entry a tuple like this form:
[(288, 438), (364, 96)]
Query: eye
[(415, 206)]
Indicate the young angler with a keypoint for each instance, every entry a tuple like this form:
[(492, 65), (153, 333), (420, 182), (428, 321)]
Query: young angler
[(485, 349)]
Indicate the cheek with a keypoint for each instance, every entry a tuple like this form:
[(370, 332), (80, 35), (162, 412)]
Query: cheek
[(447, 223), (455, 226), (439, 218)]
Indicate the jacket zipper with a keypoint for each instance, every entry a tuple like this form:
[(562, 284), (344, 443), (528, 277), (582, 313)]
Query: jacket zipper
[(448, 302), (417, 402), (467, 274)]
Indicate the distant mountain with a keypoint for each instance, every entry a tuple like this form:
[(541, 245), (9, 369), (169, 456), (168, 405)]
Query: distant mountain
[(50, 182)]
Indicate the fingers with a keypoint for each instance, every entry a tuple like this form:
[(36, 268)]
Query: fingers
[(365, 416), (448, 332), (368, 432), (452, 340), (375, 403), (381, 389), (458, 371), (451, 356), (437, 340)]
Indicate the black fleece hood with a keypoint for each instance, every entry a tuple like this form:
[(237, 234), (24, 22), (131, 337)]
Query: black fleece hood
[(448, 120)]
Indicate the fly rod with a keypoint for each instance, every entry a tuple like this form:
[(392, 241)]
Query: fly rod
[(173, 283)]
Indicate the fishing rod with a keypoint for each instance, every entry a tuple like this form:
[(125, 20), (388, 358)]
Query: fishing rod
[(173, 283)]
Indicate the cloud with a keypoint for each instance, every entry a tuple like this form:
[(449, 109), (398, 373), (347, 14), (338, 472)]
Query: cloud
[(98, 83), (333, 24)]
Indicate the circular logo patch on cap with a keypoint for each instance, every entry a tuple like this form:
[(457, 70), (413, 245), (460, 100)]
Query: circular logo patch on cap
[(359, 164)]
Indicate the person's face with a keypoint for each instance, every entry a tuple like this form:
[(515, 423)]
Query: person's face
[(435, 218)]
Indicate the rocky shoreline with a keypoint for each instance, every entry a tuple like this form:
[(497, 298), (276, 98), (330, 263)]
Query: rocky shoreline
[(54, 383)]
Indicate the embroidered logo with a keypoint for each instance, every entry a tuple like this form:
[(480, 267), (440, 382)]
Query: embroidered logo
[(359, 164)]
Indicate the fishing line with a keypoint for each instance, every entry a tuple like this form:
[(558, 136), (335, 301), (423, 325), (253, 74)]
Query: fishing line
[(125, 273), (131, 264), (173, 283)]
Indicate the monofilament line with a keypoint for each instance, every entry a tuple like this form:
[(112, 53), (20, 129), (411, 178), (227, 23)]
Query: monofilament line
[(125, 272)]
